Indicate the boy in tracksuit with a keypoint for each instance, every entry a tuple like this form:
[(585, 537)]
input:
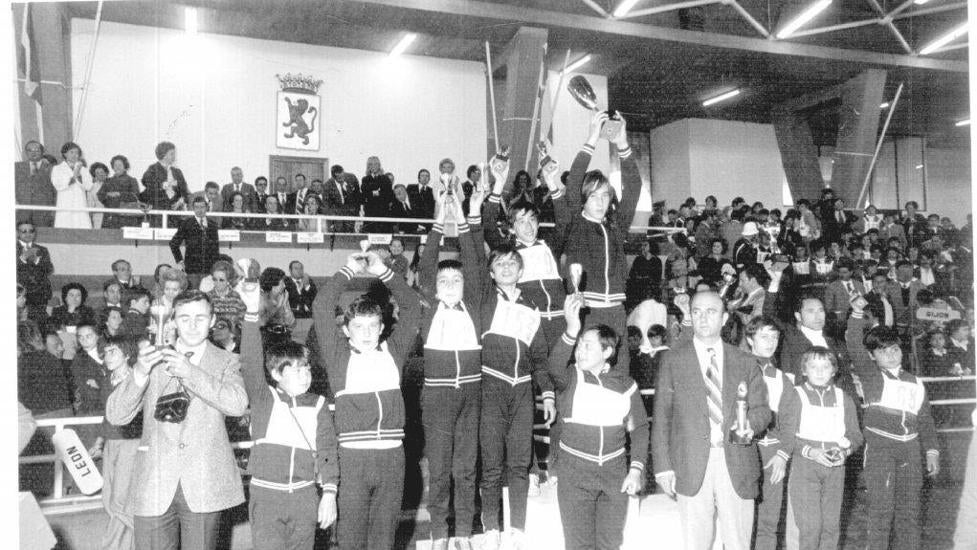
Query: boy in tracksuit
[(819, 431), (897, 426), (514, 356), (596, 232), (763, 335), (599, 405), (452, 395), (364, 375), (294, 440)]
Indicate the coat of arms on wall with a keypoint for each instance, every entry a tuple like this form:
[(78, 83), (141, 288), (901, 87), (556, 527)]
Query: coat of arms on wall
[(298, 112)]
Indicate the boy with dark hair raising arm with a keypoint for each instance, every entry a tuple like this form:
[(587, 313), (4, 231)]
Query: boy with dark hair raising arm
[(294, 440), (514, 356), (540, 281), (599, 406), (364, 374), (452, 395)]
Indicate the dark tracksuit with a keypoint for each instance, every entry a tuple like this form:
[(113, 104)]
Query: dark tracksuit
[(514, 355), (598, 245), (369, 414), (452, 395), (284, 466), (541, 282), (817, 418), (897, 427), (771, 505), (597, 411)]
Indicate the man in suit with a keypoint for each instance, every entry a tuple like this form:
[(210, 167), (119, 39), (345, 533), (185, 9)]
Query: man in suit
[(211, 195), (401, 207), (297, 198), (32, 185), (421, 195), (809, 331), (260, 194), (837, 221), (34, 268), (185, 472), (902, 293), (122, 275), (695, 407), (166, 188), (341, 198), (286, 200), (839, 294), (301, 290), (200, 237), (238, 185)]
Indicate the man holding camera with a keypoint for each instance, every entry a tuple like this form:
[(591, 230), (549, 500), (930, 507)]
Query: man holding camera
[(185, 472)]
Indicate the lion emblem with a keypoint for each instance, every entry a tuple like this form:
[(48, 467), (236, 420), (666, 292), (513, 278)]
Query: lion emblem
[(297, 126)]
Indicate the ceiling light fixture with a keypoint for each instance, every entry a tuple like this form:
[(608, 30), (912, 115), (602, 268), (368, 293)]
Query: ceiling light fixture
[(944, 40), (964, 122), (577, 64), (406, 41), (624, 7), (920, 2), (804, 18), (190, 20), (884, 105), (721, 97)]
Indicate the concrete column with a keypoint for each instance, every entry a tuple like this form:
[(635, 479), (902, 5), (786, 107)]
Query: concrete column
[(858, 129)]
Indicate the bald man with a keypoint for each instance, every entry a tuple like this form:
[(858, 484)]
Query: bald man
[(695, 407)]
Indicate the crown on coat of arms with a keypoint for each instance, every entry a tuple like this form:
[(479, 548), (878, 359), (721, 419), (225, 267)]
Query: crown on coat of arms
[(299, 83)]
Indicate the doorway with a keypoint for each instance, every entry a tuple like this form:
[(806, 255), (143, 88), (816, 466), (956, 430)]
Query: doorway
[(312, 168)]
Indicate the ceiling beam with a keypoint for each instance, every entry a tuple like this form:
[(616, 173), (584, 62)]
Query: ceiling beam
[(530, 16)]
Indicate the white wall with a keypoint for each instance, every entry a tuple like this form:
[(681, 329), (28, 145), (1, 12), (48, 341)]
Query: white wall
[(671, 167), (214, 96), (948, 184), (699, 157), (730, 159)]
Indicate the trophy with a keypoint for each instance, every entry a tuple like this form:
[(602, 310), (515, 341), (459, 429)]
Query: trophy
[(741, 421), (581, 90), (576, 272)]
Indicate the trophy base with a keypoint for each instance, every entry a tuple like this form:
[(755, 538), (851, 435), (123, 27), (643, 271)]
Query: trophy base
[(735, 439), (610, 129)]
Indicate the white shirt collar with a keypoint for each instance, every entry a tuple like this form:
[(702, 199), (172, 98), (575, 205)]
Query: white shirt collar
[(816, 337)]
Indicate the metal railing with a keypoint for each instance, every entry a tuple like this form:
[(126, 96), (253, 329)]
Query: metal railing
[(321, 220)]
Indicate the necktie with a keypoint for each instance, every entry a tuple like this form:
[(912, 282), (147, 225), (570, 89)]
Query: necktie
[(33, 168), (714, 394), (237, 187), (203, 222)]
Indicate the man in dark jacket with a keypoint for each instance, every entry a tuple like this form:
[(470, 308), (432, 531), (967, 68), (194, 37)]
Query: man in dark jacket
[(200, 237), (32, 184), (166, 188), (33, 271)]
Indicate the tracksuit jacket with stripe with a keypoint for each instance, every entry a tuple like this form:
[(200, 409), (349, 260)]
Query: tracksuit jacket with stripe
[(598, 245), (365, 415), (280, 458)]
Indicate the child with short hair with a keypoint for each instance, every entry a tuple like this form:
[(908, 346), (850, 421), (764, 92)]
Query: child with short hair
[(136, 323), (762, 335), (294, 440), (451, 400), (898, 427), (599, 406), (118, 447), (818, 432), (364, 375)]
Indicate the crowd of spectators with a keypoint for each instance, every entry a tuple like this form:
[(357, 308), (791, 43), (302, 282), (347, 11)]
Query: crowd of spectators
[(826, 275), (43, 180)]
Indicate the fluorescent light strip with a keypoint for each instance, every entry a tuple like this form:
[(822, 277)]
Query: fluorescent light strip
[(884, 105), (920, 2), (624, 7), (721, 97), (964, 122), (190, 20), (804, 18), (945, 39), (578, 63), (406, 41)]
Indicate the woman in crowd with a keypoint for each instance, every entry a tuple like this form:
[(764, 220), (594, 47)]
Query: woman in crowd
[(72, 312), (119, 191), (100, 174), (710, 267), (157, 289), (238, 207), (312, 207), (72, 182), (112, 318), (166, 188), (225, 301)]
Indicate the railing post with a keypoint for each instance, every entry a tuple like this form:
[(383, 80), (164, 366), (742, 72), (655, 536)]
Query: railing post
[(318, 224), (58, 470), (166, 220)]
